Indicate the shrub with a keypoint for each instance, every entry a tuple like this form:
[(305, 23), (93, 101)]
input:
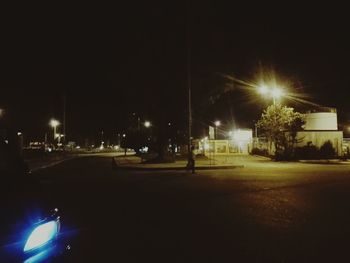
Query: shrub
[(327, 150), (258, 151), (308, 152)]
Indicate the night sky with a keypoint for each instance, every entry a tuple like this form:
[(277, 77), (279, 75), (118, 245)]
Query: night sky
[(113, 61)]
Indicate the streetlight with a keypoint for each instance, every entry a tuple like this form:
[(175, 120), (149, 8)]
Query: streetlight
[(54, 123), (276, 93), (147, 124), (263, 90), (125, 146)]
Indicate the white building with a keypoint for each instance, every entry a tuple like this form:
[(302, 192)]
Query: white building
[(239, 143), (320, 127)]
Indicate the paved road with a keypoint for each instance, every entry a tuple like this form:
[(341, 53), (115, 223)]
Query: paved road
[(265, 212)]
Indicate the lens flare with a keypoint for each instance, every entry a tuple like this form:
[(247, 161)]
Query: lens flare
[(41, 235)]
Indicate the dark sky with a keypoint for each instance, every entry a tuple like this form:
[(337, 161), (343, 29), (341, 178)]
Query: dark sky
[(112, 61)]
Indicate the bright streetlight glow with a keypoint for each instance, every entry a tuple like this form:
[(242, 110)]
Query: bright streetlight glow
[(263, 90), (276, 93), (147, 124), (54, 123), (217, 123)]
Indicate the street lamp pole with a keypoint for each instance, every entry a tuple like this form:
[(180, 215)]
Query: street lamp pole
[(54, 132), (64, 121), (189, 157), (217, 124), (54, 123)]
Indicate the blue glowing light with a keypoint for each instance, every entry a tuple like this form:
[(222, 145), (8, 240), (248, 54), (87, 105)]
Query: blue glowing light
[(41, 235)]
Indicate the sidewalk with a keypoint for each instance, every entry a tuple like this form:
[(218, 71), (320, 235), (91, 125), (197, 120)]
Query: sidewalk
[(134, 163)]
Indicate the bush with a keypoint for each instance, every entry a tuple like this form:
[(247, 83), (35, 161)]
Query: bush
[(308, 152), (327, 150), (258, 151), (285, 155), (311, 152)]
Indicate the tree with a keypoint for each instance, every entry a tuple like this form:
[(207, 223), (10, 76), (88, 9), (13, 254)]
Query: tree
[(280, 125)]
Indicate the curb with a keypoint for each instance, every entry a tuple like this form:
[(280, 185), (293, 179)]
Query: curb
[(324, 162), (130, 168), (51, 164), (181, 168), (262, 157)]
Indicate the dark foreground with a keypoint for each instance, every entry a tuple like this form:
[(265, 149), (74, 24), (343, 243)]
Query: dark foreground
[(262, 213)]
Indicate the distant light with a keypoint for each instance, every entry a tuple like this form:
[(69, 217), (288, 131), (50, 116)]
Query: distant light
[(19, 133), (124, 135), (144, 149), (217, 123), (169, 124), (54, 123), (147, 124), (41, 235)]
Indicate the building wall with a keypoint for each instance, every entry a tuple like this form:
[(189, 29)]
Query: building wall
[(224, 147), (325, 121), (318, 138)]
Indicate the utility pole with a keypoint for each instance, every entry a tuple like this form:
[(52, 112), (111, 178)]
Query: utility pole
[(189, 85), (64, 122)]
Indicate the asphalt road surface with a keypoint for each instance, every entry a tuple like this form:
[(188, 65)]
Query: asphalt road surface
[(265, 212)]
